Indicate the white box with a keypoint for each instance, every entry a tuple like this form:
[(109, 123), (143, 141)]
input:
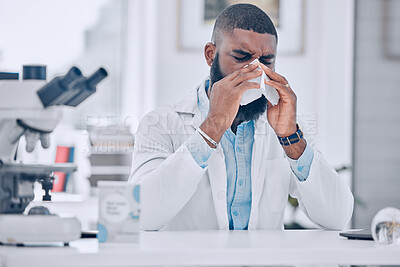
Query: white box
[(119, 212)]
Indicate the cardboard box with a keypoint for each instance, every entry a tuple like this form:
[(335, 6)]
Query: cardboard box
[(119, 212)]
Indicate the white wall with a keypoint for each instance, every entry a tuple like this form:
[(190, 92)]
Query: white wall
[(27, 36), (321, 76), (178, 70), (139, 75), (376, 111), (62, 34)]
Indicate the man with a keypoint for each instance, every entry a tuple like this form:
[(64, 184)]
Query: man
[(209, 163)]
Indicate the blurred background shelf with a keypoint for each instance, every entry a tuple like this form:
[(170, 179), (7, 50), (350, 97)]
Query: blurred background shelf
[(111, 170), (110, 153)]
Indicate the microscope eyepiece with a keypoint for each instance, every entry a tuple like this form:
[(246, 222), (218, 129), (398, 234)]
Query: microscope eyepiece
[(70, 89), (72, 75), (96, 77), (86, 87)]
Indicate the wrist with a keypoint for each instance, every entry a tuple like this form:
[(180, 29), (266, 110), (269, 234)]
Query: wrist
[(214, 128), (294, 151), (291, 139), (211, 143), (288, 131)]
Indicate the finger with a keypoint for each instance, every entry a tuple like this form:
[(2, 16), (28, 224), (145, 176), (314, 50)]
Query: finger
[(245, 69), (242, 77), (250, 67), (244, 86), (269, 105), (282, 90), (273, 75), (288, 88)]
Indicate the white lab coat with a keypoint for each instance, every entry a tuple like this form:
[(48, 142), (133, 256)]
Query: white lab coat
[(177, 194)]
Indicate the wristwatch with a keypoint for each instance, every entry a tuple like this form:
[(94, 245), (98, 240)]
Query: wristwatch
[(292, 139)]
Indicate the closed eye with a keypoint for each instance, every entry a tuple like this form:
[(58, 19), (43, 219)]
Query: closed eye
[(241, 55), (267, 59), (265, 62), (241, 59)]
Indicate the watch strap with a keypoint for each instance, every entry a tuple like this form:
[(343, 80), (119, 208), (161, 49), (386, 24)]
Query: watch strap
[(292, 139)]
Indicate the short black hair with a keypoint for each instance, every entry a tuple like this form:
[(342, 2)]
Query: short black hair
[(242, 16)]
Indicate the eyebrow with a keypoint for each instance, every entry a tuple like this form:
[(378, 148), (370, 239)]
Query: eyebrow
[(242, 52), (245, 53)]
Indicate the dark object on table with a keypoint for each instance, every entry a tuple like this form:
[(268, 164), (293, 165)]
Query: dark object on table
[(358, 234)]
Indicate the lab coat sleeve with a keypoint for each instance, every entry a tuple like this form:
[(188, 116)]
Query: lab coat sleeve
[(168, 177), (324, 196), (200, 150)]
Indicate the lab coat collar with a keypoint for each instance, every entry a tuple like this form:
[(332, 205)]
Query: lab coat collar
[(188, 104)]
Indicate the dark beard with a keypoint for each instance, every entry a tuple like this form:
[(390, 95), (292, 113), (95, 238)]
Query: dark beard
[(251, 111), (215, 71)]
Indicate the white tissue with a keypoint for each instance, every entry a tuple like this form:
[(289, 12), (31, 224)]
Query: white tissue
[(252, 94)]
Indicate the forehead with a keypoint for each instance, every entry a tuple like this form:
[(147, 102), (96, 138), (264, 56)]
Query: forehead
[(249, 41)]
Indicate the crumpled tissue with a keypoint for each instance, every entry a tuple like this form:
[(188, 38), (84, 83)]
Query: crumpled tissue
[(252, 94)]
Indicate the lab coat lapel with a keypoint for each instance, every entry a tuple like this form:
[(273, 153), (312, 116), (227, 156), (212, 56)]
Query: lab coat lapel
[(188, 105), (197, 119), (218, 181)]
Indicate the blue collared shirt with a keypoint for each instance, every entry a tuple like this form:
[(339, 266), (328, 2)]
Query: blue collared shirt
[(237, 149)]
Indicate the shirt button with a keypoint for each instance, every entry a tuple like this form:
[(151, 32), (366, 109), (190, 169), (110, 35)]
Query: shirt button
[(235, 213), (238, 149), (300, 168), (240, 182)]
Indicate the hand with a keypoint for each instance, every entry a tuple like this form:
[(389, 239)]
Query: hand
[(225, 97), (281, 117)]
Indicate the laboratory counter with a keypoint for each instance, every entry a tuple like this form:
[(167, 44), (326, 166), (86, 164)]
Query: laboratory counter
[(209, 248)]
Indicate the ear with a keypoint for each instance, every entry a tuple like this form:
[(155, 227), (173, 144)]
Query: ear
[(209, 53)]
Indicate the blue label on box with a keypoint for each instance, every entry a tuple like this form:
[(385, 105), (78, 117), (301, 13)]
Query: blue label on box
[(102, 235)]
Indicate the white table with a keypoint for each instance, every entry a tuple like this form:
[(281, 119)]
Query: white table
[(209, 248)]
